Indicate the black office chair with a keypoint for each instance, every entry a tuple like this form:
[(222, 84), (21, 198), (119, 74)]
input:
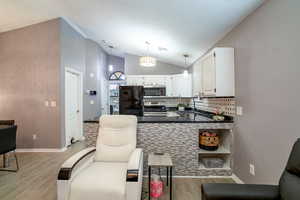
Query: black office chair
[(288, 188), (8, 144)]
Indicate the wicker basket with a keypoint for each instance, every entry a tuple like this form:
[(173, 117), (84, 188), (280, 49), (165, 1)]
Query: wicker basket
[(208, 141)]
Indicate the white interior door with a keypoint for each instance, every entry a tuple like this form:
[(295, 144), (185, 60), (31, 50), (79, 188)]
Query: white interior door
[(72, 104)]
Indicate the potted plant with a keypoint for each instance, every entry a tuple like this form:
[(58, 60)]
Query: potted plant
[(181, 107)]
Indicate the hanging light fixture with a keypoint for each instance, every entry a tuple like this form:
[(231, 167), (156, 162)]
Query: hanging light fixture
[(185, 72), (111, 67), (147, 61)]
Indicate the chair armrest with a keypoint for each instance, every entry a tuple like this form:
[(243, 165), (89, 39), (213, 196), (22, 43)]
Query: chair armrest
[(221, 191), (134, 165), (69, 165)]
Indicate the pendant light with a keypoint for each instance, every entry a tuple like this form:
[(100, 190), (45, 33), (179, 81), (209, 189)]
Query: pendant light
[(110, 67), (185, 72), (147, 61)]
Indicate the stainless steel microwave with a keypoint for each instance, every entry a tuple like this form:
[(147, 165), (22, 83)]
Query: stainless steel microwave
[(155, 91)]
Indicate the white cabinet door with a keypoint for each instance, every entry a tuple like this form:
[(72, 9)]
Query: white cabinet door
[(209, 75), (197, 78), (217, 73), (169, 86), (182, 85), (134, 80)]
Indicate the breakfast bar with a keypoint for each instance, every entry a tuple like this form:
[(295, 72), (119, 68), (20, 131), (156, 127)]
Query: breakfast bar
[(179, 137)]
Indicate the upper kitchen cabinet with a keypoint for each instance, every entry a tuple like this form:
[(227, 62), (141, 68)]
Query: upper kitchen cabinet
[(146, 80), (214, 74), (177, 85), (181, 85)]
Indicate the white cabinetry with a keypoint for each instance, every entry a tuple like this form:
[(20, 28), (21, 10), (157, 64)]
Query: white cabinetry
[(214, 74), (197, 78), (178, 85), (182, 85)]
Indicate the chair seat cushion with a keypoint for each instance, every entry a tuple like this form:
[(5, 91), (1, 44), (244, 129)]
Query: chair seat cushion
[(100, 180), (224, 191)]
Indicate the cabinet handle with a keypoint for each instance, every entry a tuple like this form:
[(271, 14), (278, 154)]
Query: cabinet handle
[(215, 90)]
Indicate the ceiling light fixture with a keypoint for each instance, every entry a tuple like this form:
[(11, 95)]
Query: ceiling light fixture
[(185, 72), (147, 61), (110, 67)]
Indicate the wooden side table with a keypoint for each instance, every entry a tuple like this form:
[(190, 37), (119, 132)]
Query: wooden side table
[(164, 160)]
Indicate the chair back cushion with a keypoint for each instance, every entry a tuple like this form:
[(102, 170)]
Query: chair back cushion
[(8, 139), (116, 138), (290, 180)]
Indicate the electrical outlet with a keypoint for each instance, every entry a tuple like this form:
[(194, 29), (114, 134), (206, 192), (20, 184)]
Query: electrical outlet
[(252, 169), (92, 102), (239, 110), (47, 103), (34, 137)]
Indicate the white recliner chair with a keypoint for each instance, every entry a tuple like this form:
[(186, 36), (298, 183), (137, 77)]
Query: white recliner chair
[(111, 171)]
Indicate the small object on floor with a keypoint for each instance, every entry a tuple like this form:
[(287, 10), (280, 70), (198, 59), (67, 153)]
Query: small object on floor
[(160, 161), (156, 186), (159, 153)]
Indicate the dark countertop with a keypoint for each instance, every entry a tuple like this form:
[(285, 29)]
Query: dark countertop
[(185, 117), (188, 116)]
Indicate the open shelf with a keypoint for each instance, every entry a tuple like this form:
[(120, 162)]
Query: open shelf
[(225, 167), (226, 158), (221, 150)]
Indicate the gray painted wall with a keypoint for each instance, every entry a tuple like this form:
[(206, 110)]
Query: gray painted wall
[(132, 67), (29, 76), (117, 62), (72, 55), (88, 57), (33, 61), (267, 87), (96, 65)]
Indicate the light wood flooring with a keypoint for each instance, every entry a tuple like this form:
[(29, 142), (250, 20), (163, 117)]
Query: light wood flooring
[(36, 179)]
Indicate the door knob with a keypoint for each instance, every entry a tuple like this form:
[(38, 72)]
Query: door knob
[(77, 111)]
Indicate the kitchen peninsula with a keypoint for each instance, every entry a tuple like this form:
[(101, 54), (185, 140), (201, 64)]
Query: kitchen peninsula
[(179, 137)]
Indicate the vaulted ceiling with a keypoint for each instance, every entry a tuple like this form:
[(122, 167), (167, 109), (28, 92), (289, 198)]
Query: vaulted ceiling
[(180, 26)]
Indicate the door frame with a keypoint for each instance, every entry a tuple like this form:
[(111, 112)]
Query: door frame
[(80, 100)]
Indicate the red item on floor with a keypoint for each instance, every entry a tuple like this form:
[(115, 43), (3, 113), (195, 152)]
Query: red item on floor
[(156, 188)]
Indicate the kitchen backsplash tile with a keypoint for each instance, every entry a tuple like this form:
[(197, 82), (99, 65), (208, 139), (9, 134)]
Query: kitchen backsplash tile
[(213, 104)]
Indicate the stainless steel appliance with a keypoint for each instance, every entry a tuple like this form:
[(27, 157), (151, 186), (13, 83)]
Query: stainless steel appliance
[(155, 110), (155, 91), (131, 100)]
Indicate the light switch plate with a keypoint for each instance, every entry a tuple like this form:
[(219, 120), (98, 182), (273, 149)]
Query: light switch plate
[(92, 102), (252, 169), (34, 136), (53, 103), (239, 110), (47, 103)]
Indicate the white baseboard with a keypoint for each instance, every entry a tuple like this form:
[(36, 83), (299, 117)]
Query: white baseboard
[(237, 179), (233, 176), (42, 150)]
